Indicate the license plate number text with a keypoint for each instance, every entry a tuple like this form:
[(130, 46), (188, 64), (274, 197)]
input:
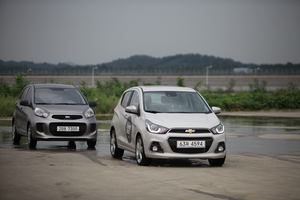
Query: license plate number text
[(68, 128), (191, 144)]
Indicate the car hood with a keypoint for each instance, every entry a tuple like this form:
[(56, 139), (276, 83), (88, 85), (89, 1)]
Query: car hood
[(193, 120), (65, 109)]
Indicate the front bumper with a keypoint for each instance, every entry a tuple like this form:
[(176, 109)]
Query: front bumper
[(166, 146), (45, 129)]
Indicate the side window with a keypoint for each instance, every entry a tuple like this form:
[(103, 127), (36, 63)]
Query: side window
[(29, 95), (23, 94), (126, 98), (135, 99)]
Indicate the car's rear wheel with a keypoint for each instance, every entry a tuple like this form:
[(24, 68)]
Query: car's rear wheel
[(15, 135), (217, 162), (140, 156), (114, 150), (31, 142), (91, 143)]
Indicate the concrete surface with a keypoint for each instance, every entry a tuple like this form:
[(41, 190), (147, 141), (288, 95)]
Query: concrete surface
[(85, 174), (67, 175)]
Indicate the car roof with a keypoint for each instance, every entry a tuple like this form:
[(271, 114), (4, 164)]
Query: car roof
[(52, 85), (166, 88)]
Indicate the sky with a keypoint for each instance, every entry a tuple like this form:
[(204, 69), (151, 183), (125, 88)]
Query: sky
[(99, 31)]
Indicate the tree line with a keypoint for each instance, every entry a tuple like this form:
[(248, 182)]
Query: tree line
[(108, 93), (188, 64)]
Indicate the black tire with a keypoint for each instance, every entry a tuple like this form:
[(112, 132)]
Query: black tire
[(91, 143), (216, 162), (140, 156), (71, 145), (31, 142), (115, 151), (15, 135)]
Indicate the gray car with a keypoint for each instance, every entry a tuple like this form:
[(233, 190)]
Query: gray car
[(166, 122), (53, 112)]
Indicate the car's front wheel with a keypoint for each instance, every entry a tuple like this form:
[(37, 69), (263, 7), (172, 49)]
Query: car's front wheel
[(15, 135), (114, 150), (217, 162), (31, 142), (140, 156)]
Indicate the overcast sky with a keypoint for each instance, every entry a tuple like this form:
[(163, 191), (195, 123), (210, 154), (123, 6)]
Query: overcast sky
[(98, 31)]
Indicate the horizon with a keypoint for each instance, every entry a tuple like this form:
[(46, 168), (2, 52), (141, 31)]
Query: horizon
[(70, 63)]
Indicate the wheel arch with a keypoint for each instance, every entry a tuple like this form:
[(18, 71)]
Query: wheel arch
[(111, 129), (136, 136)]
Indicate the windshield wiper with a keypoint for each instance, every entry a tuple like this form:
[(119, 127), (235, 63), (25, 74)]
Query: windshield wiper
[(184, 112), (152, 111), (63, 104)]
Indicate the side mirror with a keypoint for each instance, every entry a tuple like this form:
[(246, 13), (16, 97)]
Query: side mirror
[(216, 110), (132, 109), (24, 102), (92, 103)]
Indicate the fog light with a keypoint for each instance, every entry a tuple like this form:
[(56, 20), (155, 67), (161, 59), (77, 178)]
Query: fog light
[(220, 148), (154, 148)]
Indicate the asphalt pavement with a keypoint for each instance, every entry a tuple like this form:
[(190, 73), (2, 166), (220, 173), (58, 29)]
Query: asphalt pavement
[(56, 172)]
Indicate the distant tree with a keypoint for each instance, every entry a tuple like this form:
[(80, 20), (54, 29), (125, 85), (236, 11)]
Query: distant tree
[(4, 88), (180, 81), (256, 87), (83, 83), (158, 80), (68, 82), (20, 83), (292, 87), (198, 85), (230, 86)]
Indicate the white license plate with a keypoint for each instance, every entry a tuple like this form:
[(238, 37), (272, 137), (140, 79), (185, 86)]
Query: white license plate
[(191, 144), (68, 128)]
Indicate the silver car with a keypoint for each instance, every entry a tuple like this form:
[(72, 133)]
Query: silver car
[(166, 122), (55, 112)]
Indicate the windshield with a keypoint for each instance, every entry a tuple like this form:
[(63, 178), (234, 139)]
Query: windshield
[(63, 96), (174, 102)]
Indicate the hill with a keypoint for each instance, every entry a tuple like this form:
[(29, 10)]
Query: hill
[(184, 64)]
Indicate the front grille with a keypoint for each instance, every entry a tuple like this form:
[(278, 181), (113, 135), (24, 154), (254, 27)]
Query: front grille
[(173, 144), (184, 130), (53, 129), (67, 117)]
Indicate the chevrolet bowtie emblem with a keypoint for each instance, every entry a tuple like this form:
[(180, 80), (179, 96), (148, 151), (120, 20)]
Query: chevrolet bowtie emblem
[(189, 131)]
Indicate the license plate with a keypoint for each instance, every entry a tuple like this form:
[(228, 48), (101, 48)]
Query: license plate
[(191, 144), (68, 128)]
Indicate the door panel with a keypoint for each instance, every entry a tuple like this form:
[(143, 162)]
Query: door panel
[(20, 115)]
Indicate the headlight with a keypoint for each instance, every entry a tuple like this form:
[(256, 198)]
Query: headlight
[(88, 113), (41, 112), (219, 129), (154, 128)]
